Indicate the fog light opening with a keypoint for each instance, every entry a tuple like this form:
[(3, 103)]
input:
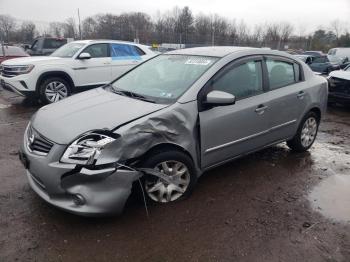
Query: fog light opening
[(78, 199)]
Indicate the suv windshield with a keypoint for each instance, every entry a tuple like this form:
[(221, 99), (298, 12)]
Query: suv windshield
[(68, 50), (163, 79)]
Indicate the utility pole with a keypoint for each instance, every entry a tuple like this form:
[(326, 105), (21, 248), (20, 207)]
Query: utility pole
[(79, 25)]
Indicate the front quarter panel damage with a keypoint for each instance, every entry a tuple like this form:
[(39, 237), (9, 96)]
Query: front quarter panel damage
[(174, 125)]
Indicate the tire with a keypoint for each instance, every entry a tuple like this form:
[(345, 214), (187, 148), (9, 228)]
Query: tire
[(157, 190), (306, 134), (54, 89)]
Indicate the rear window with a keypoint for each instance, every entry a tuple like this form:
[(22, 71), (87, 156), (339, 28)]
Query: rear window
[(281, 73), (52, 43)]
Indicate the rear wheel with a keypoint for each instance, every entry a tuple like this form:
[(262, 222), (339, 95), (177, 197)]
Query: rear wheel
[(54, 89), (180, 170), (306, 133)]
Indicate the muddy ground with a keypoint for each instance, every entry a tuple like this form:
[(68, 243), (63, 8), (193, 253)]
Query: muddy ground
[(274, 205)]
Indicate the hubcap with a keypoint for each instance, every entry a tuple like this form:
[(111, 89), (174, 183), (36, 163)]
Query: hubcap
[(308, 133), (56, 91), (161, 191)]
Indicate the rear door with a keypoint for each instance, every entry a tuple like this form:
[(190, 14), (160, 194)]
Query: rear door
[(96, 70), (288, 94), (124, 57), (229, 131)]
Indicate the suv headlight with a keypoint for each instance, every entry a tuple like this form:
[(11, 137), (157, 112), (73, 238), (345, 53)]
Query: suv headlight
[(25, 69), (86, 149)]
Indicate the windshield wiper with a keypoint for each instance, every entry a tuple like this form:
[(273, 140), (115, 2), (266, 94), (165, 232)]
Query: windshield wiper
[(132, 95)]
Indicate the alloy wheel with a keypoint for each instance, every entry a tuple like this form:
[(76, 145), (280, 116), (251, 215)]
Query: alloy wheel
[(308, 132), (161, 191), (55, 91)]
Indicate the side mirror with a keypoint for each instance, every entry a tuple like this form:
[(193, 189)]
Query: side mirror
[(220, 98), (84, 56)]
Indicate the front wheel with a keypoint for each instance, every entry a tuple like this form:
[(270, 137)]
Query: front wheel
[(306, 133), (54, 89), (182, 176)]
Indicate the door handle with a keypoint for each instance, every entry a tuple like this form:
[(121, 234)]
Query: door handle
[(106, 63), (260, 109), (301, 95)]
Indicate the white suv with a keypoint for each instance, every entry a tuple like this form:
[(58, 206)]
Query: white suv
[(76, 66)]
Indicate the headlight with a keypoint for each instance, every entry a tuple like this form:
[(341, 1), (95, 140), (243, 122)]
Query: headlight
[(25, 69), (86, 149)]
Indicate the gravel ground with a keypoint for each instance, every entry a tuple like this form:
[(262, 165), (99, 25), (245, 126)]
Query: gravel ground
[(273, 205)]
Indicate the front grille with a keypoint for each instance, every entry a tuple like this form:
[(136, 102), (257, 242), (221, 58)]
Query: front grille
[(8, 71), (37, 143), (339, 85)]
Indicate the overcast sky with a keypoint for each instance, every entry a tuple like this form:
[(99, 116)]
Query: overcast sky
[(305, 15)]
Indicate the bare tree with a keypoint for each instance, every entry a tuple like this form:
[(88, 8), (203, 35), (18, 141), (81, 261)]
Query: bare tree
[(7, 26), (69, 28), (56, 29), (286, 30), (337, 28), (89, 28), (27, 32)]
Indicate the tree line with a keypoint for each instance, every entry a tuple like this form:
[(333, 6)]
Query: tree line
[(181, 26)]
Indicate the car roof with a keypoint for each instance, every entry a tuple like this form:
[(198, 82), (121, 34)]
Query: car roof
[(217, 51), (105, 41)]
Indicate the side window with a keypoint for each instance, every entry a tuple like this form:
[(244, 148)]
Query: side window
[(51, 43), (139, 50), (125, 51), (280, 73), (242, 81), (97, 50)]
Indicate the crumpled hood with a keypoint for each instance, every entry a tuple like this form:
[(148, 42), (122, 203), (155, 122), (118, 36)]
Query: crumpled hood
[(65, 120), (30, 60), (340, 74)]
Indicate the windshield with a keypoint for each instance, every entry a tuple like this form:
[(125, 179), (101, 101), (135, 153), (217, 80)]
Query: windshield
[(165, 78), (68, 50)]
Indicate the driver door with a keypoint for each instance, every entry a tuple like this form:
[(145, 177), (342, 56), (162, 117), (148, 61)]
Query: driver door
[(229, 131), (96, 70)]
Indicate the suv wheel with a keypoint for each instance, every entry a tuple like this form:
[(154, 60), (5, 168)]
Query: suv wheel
[(306, 133), (54, 89), (180, 169)]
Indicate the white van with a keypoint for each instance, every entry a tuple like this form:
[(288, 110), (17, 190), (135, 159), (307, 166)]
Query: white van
[(340, 52)]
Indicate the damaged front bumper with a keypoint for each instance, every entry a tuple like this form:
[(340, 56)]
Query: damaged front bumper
[(79, 190)]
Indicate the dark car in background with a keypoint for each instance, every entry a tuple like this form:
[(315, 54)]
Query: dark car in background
[(314, 53), (326, 64), (307, 59), (8, 52), (46, 45)]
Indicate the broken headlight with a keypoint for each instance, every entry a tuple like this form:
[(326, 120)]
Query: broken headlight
[(86, 149)]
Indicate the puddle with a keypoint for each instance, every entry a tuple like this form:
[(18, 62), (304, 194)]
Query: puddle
[(331, 197)]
